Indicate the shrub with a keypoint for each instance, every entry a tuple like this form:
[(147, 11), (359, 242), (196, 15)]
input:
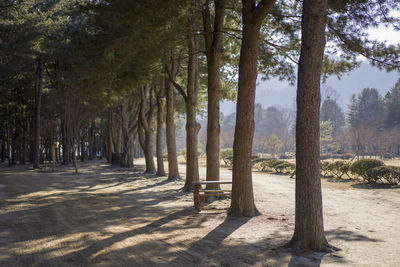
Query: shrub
[(284, 167), (390, 173), (277, 165), (264, 164), (225, 152), (228, 161), (324, 168), (339, 168), (363, 168), (256, 162)]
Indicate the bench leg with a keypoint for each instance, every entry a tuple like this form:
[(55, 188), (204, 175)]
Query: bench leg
[(196, 198)]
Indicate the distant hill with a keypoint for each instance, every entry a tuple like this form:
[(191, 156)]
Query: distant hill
[(277, 93)]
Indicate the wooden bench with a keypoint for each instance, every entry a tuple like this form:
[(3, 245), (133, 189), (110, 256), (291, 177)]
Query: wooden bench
[(199, 194)]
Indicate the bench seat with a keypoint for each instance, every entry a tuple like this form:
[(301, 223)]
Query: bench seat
[(199, 194)]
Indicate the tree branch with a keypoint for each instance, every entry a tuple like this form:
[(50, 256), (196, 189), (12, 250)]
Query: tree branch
[(142, 114), (48, 74), (176, 85), (262, 10)]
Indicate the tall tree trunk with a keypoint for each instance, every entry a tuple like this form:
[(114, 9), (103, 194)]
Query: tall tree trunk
[(83, 146), (192, 127), (14, 143), (91, 140), (160, 162), (148, 131), (242, 185), (74, 151), (309, 228), (38, 100), (65, 143), (129, 115), (24, 143), (3, 145), (109, 136), (173, 171), (214, 50), (9, 148)]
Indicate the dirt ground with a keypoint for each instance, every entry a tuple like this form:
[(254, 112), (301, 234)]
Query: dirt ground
[(107, 216)]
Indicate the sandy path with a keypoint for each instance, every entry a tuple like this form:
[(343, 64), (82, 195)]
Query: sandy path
[(117, 217)]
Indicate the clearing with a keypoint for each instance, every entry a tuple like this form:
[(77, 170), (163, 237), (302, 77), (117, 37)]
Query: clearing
[(107, 216)]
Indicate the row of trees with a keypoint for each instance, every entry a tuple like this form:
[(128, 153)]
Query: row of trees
[(372, 124), (369, 126), (92, 75)]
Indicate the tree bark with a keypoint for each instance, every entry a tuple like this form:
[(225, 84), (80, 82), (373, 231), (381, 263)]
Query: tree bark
[(82, 145), (309, 228), (91, 140), (192, 127), (3, 145), (109, 136), (214, 50), (74, 150), (242, 203), (147, 127), (129, 116), (66, 148), (160, 162), (38, 100), (173, 171), (24, 140), (9, 151)]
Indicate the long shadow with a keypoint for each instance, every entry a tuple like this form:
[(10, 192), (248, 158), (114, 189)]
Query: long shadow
[(340, 180), (43, 218), (375, 186), (108, 242), (347, 235), (209, 244)]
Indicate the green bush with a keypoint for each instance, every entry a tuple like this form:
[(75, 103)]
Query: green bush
[(339, 168), (284, 167), (228, 161), (256, 161), (390, 174), (324, 165), (363, 167), (261, 164), (226, 152)]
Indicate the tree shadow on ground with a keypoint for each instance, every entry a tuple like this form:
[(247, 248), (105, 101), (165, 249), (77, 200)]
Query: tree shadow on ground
[(375, 186), (307, 258), (347, 235), (340, 180), (115, 215)]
